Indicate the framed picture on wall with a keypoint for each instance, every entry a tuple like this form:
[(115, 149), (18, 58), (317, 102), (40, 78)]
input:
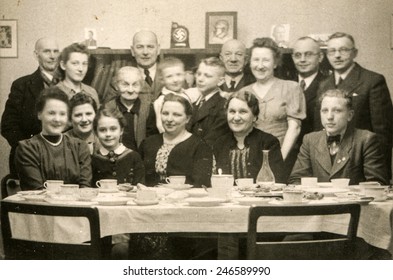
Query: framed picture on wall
[(220, 27), (8, 38)]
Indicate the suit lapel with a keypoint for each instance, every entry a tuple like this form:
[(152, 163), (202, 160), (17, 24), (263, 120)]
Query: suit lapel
[(36, 85), (206, 107), (342, 156), (323, 157), (352, 81)]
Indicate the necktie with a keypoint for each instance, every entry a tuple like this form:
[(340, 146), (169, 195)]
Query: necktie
[(332, 142), (148, 79), (340, 80), (303, 84), (201, 102), (232, 86)]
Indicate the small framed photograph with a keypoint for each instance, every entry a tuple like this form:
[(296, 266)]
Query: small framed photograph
[(8, 38), (220, 27), (280, 34), (90, 38)]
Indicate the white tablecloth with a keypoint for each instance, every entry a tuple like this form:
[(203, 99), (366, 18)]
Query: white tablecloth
[(375, 226)]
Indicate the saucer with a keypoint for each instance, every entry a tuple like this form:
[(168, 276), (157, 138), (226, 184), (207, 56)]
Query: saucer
[(146, 202), (112, 201), (204, 202), (111, 190), (177, 186)]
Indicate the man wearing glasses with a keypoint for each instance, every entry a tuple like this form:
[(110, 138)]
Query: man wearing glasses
[(307, 56), (234, 55), (371, 98)]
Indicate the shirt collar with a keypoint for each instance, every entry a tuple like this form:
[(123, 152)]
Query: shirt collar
[(343, 75), (118, 151), (308, 80), (47, 74), (134, 109), (166, 91), (152, 71), (237, 79), (207, 97)]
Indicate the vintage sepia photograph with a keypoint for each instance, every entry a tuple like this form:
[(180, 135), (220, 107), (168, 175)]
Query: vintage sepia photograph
[(90, 38)]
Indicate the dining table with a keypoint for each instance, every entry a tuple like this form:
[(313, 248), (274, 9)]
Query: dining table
[(228, 219)]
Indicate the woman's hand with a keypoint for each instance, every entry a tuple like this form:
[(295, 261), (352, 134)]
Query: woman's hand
[(291, 136)]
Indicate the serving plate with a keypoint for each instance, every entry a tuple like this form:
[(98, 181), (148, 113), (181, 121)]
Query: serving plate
[(146, 202), (204, 201), (284, 202), (112, 201), (197, 193), (327, 191), (361, 201), (38, 197), (34, 192), (177, 186), (247, 201)]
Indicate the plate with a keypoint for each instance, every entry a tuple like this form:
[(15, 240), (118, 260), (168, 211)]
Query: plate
[(146, 202), (325, 184), (197, 193), (33, 197), (204, 202), (35, 192), (361, 201), (130, 194), (269, 194), (253, 201), (108, 190), (112, 201), (327, 191), (177, 186), (283, 202)]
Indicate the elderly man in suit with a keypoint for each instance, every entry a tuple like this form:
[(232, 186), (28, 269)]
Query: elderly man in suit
[(234, 55), (19, 120), (371, 98), (307, 56), (340, 151)]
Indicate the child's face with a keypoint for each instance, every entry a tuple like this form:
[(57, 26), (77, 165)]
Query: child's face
[(109, 132), (129, 85), (208, 78), (174, 77)]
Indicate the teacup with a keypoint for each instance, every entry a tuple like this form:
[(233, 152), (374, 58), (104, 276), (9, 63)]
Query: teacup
[(221, 186), (69, 189), (107, 183), (87, 194), (146, 195), (176, 180), (293, 195), (309, 181), (363, 185), (340, 182), (378, 192), (244, 182), (53, 186)]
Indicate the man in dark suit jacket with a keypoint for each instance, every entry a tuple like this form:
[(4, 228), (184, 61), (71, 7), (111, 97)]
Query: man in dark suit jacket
[(19, 120), (234, 55), (209, 117), (307, 56), (340, 151), (371, 97)]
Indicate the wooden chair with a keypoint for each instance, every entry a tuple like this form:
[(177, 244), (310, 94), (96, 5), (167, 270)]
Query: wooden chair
[(9, 186), (322, 246), (27, 249)]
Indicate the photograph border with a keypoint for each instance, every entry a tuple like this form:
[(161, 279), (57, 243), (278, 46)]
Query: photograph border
[(209, 15), (13, 51)]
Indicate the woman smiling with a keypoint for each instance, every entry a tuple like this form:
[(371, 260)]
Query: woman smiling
[(52, 155)]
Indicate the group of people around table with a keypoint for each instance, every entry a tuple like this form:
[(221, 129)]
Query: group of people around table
[(151, 127)]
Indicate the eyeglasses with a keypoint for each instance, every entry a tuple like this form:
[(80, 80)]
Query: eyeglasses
[(238, 55), (345, 51), (299, 55)]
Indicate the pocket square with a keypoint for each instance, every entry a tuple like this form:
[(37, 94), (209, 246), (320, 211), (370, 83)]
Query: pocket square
[(354, 94)]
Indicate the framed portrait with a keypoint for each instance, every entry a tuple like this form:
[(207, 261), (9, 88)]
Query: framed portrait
[(8, 38), (220, 27), (90, 38), (280, 34)]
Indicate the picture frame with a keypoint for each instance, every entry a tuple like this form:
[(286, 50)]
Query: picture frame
[(220, 27), (90, 38), (8, 38)]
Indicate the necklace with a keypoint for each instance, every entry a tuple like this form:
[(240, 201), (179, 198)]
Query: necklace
[(51, 143)]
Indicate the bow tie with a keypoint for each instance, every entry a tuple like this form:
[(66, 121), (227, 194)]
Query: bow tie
[(335, 138)]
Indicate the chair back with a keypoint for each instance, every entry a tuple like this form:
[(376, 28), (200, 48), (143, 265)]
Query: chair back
[(27, 249), (9, 186), (322, 246)]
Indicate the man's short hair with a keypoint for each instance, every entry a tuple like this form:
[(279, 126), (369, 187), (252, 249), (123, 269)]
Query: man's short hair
[(169, 62), (126, 70), (342, 35), (214, 62), (222, 21), (340, 94)]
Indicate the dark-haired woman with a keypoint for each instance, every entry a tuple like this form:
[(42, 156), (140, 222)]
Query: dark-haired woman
[(51, 155)]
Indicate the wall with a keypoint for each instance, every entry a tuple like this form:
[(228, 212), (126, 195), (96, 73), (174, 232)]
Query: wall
[(116, 21)]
